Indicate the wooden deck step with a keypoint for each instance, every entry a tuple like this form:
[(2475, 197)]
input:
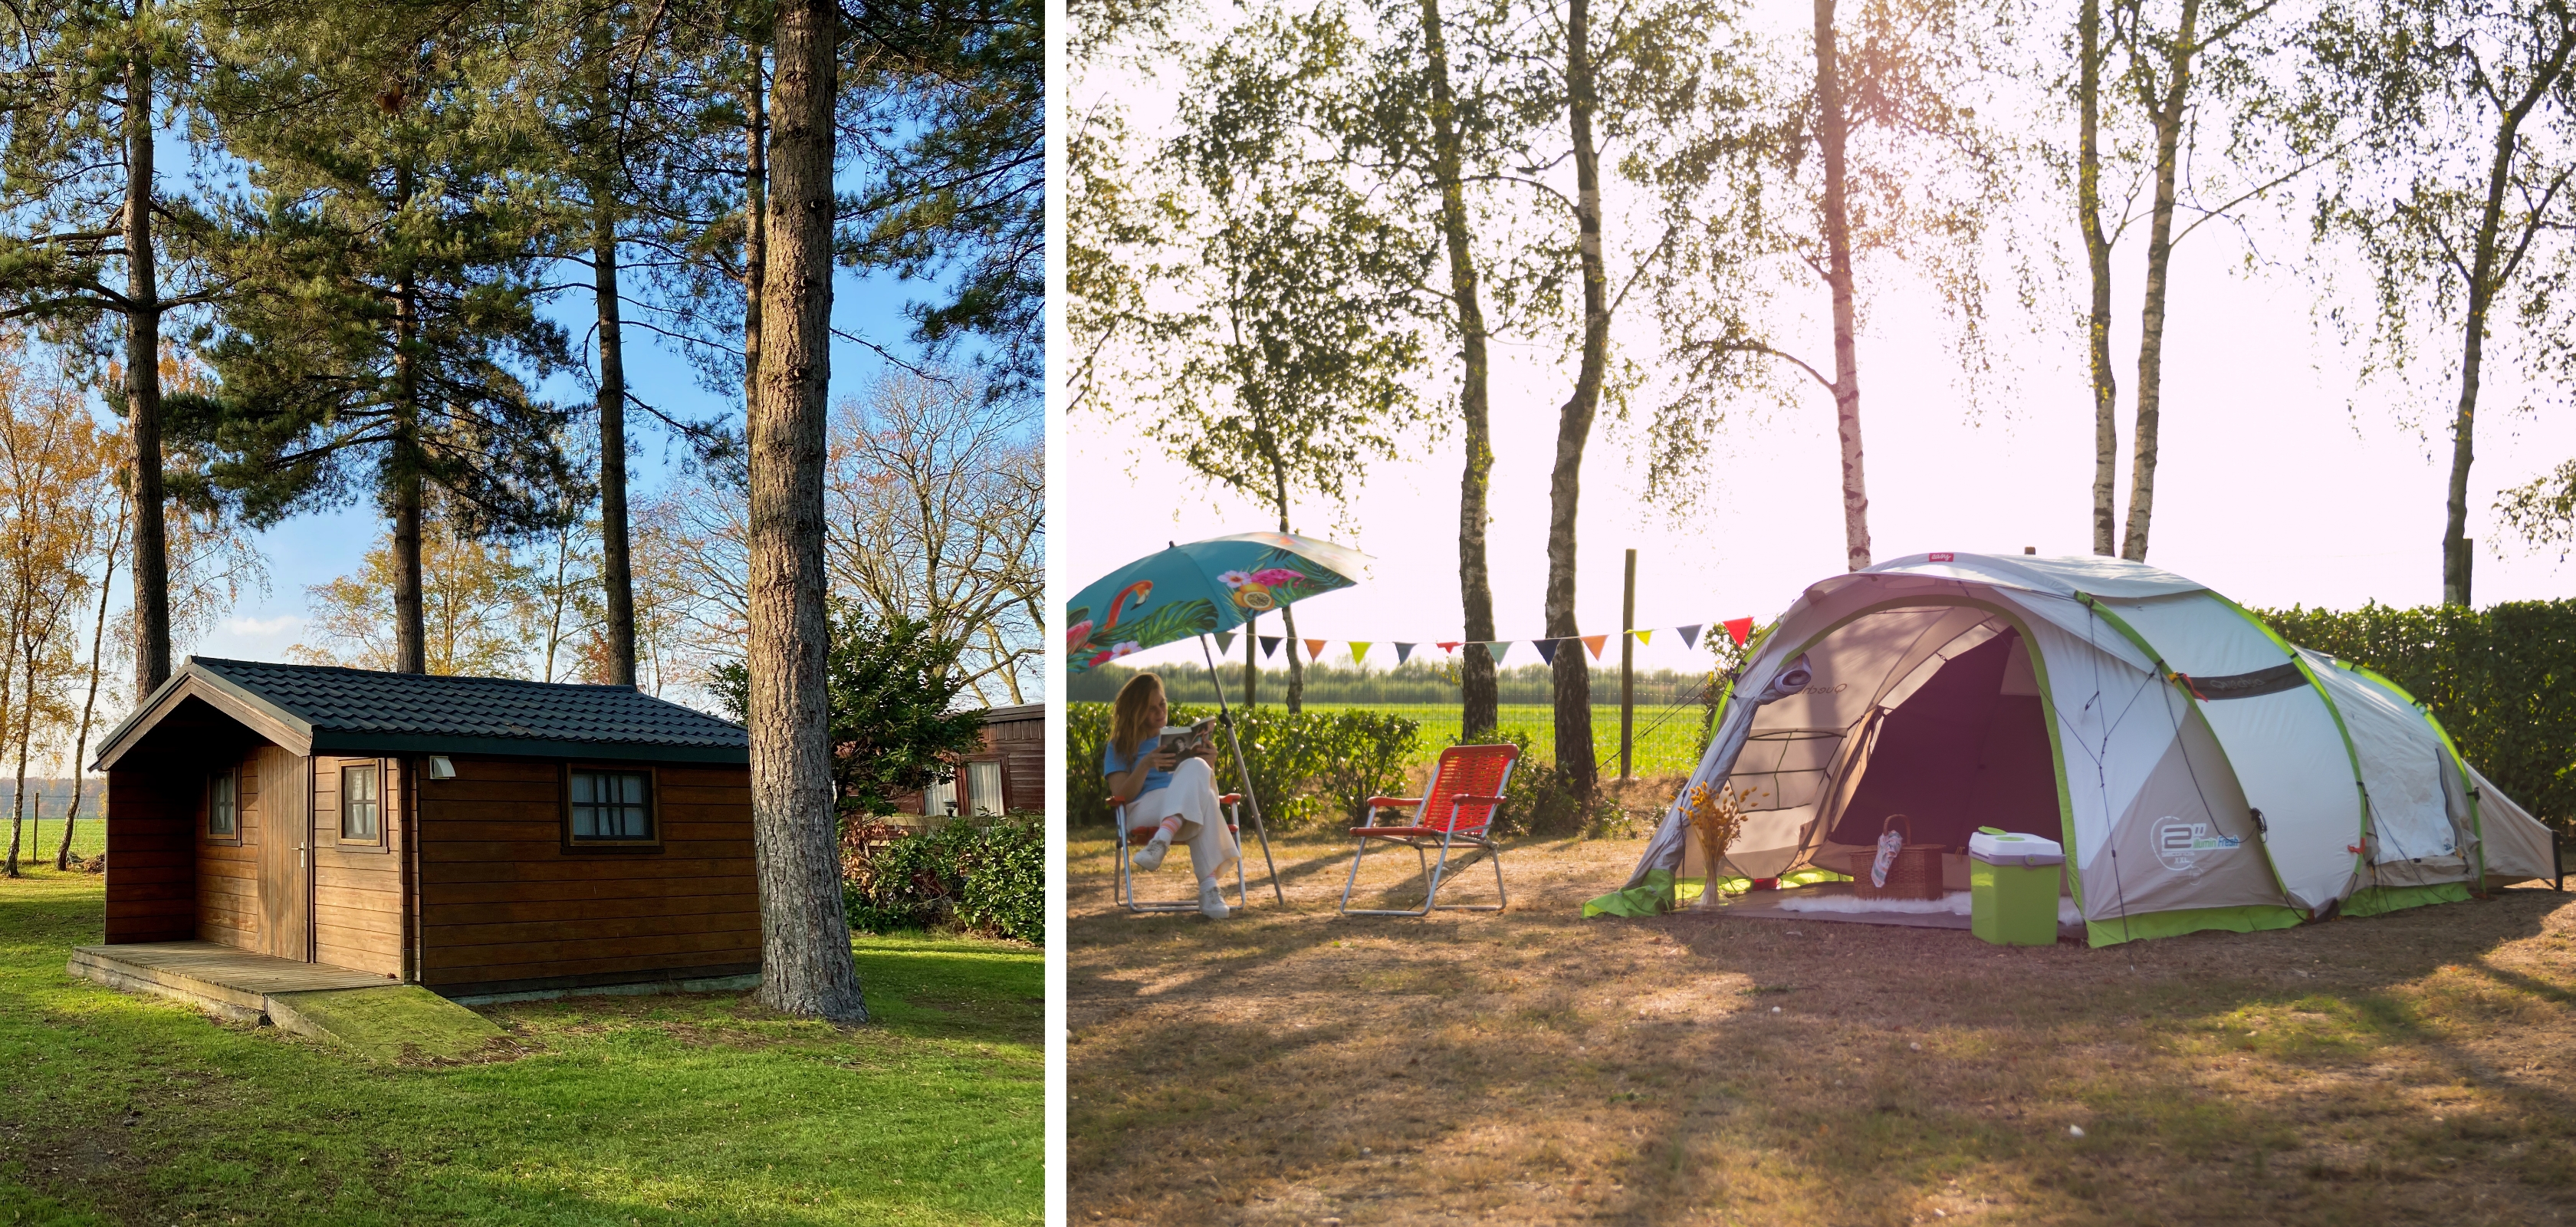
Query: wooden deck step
[(232, 984)]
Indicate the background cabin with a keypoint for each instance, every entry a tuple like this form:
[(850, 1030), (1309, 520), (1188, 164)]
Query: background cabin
[(1007, 773), (472, 835)]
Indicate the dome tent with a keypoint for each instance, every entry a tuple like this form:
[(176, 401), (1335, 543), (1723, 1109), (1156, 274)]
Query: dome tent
[(2200, 772)]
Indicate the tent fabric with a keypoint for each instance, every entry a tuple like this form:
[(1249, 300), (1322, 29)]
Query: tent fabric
[(2056, 696)]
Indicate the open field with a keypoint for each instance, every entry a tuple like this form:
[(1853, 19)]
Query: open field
[(622, 1110), (88, 839), (1297, 1067), (1667, 738)]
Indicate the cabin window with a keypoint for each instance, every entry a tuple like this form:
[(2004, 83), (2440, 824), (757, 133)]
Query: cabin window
[(611, 806), (362, 816), (223, 806), (984, 787)]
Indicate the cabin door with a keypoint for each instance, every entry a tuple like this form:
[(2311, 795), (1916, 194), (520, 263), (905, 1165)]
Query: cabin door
[(285, 834)]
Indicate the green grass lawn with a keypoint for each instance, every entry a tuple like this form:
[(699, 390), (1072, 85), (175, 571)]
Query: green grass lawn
[(697, 1109), (41, 838), (1670, 747)]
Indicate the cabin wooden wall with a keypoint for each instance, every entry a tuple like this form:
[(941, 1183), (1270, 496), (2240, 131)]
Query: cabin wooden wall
[(1020, 746), (357, 888), (151, 861), (228, 910), (505, 905)]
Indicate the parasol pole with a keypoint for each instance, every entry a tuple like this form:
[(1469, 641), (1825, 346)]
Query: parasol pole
[(1225, 716)]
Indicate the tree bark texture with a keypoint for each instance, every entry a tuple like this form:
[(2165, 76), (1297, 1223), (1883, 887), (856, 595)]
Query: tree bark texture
[(755, 225), (1251, 661), (1573, 674), (1478, 687), (143, 384), (806, 966), (2170, 114), (1287, 615), (1832, 130), (2097, 255), (411, 638), (616, 570)]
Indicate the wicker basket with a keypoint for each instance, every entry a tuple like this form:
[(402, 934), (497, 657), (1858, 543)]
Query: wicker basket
[(1915, 875)]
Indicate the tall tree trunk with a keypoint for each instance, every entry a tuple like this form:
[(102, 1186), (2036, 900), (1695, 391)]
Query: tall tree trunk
[(755, 225), (806, 966), (1251, 661), (143, 382), (1478, 689), (1573, 692), (26, 734), (411, 651), (1832, 129), (2170, 115), (616, 571), (2097, 256), (89, 706)]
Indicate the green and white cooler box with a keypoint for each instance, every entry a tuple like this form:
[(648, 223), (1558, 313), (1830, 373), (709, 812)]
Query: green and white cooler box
[(2013, 886)]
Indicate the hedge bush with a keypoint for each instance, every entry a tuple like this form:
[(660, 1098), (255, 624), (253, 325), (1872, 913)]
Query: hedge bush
[(1308, 769), (987, 876), (2502, 680)]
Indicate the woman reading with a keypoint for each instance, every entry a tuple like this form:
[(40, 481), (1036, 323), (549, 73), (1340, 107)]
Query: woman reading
[(1172, 794)]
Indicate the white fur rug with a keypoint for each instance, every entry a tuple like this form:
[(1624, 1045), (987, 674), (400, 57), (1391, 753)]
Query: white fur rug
[(1956, 903)]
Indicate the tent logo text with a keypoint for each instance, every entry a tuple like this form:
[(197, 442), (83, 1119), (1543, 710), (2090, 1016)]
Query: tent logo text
[(2181, 844)]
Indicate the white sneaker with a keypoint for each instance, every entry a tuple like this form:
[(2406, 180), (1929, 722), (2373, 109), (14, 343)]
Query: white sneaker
[(1212, 901), (1150, 857)]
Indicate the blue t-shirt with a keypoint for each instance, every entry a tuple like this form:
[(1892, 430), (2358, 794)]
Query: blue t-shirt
[(1111, 763)]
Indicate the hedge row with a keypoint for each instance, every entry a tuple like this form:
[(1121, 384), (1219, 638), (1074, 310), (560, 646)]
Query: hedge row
[(2502, 680), (1317, 770), (985, 876)]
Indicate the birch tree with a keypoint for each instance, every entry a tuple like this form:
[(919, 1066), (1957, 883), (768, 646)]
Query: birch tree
[(2461, 199)]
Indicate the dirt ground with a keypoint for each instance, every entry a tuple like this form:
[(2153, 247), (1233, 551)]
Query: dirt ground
[(1298, 1067)]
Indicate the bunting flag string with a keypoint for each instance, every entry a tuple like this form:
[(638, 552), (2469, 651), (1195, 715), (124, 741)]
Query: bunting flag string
[(1738, 629)]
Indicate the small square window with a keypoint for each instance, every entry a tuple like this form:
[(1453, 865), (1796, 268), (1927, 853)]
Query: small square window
[(223, 806), (612, 806), (361, 806)]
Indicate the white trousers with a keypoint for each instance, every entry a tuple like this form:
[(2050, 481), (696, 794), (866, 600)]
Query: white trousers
[(1192, 795)]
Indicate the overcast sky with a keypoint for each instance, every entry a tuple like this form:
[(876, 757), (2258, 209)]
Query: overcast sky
[(2281, 482)]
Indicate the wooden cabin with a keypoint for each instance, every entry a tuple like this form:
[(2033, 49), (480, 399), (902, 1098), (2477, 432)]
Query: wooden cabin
[(474, 835), (1006, 774)]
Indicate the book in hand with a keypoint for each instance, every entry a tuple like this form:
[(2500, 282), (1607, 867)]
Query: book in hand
[(1188, 739)]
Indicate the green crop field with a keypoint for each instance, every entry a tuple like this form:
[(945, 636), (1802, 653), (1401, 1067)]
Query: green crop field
[(1667, 738), (41, 838)]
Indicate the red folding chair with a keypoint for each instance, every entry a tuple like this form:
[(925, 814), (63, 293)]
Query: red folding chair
[(1233, 803), (1466, 792)]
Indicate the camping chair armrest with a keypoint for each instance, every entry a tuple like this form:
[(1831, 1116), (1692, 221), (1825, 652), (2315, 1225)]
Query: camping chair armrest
[(1392, 802), (1232, 798)]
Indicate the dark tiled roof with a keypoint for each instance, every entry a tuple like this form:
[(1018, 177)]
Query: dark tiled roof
[(416, 711)]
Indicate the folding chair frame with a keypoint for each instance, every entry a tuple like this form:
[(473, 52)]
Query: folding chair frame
[(1450, 838), (1233, 804)]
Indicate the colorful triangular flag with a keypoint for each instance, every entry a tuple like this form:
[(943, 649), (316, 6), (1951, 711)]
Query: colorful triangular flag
[(1498, 648), (1449, 646), (1359, 650), (1644, 636), (1269, 646), (1224, 642), (1403, 652), (1690, 635), (1314, 649), (1594, 642), (1740, 628), (1546, 649)]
